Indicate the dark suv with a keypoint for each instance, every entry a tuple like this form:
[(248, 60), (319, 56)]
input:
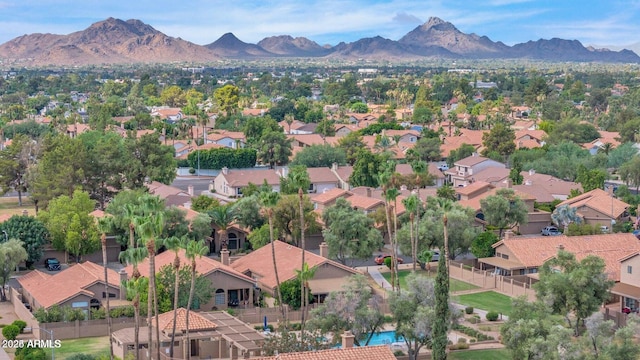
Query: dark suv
[(52, 264)]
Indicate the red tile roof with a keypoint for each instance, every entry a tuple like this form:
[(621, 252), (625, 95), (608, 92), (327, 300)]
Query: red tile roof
[(260, 263), (600, 201), (355, 353), (196, 321), (67, 283), (204, 265)]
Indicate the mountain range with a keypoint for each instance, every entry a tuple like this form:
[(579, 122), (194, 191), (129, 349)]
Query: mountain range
[(115, 41)]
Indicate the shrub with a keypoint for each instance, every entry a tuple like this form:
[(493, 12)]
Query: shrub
[(459, 346), (387, 262), (468, 310), (472, 341), (97, 314), (10, 332), (398, 353), (492, 316), (81, 356), (462, 340), (30, 353), (20, 324), (231, 312), (261, 328)]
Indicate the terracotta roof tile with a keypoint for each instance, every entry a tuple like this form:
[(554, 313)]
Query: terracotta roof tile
[(241, 178), (471, 160), (534, 251), (321, 175), (329, 195), (260, 263), (598, 200), (355, 353), (68, 282), (196, 321), (204, 265)]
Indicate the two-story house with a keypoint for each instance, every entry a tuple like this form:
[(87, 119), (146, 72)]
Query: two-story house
[(463, 170), (628, 289)]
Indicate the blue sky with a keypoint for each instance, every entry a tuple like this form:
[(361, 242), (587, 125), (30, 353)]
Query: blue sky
[(600, 22)]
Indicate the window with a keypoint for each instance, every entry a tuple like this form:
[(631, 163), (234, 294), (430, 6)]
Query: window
[(220, 297), (232, 242), (629, 269), (505, 256), (79, 304)]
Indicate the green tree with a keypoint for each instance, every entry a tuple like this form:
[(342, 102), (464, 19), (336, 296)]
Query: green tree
[(414, 311), (296, 178), (203, 292), (591, 178), (621, 154), (425, 149), (350, 234), (465, 150), (12, 253), (247, 211), (528, 323), (565, 215), (366, 169), (501, 139), (565, 290), (291, 290), (412, 206), (446, 192), (175, 244), (352, 143), (71, 227), (481, 246), (287, 218), (222, 217), (15, 162), (227, 98), (320, 156), (630, 172), (151, 161), (572, 129), (203, 203), (259, 237), (441, 322), (356, 308), (504, 210), (31, 231), (274, 148), (173, 96), (269, 200)]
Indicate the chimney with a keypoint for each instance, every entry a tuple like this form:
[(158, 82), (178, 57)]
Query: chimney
[(123, 287), (475, 153), (531, 172), (190, 190), (225, 170), (509, 183), (224, 256), (347, 340), (334, 167), (560, 247), (368, 191), (507, 234), (285, 171), (324, 250)]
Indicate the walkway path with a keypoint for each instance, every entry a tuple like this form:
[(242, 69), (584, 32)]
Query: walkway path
[(375, 274)]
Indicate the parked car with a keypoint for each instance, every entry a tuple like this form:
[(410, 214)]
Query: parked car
[(52, 264), (551, 231), (380, 259), (443, 167)]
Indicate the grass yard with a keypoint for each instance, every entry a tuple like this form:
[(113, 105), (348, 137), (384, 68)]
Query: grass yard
[(9, 206), (92, 345), (490, 354), (487, 300), (454, 285)]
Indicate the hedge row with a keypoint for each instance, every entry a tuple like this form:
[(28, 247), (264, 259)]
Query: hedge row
[(216, 159)]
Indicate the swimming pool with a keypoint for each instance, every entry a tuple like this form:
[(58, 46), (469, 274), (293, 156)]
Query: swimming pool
[(382, 338)]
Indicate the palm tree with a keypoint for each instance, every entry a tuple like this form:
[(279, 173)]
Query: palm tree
[(411, 205), (104, 224), (134, 256), (130, 213), (392, 195), (176, 244), (446, 206), (288, 118), (150, 227), (195, 249), (565, 215), (269, 200), (222, 217), (305, 274)]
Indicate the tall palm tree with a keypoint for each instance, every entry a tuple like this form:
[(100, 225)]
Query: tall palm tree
[(175, 244), (194, 250), (133, 256), (392, 195), (150, 227), (130, 213), (269, 200), (305, 274), (445, 206), (222, 217), (104, 224), (411, 205)]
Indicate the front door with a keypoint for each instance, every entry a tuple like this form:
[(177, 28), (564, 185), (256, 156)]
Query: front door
[(195, 351)]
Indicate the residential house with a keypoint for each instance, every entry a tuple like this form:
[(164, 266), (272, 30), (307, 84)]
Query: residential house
[(322, 179), (305, 140), (346, 129), (230, 183), (343, 173), (545, 188), (628, 289), (170, 194), (329, 275), (599, 207), (236, 239), (80, 286), (536, 219), (213, 335), (519, 255), (328, 198), (230, 139), (254, 112), (231, 287), (606, 137), (406, 136), (451, 142), (75, 129), (346, 352), (168, 114), (355, 118), (463, 170), (529, 138)]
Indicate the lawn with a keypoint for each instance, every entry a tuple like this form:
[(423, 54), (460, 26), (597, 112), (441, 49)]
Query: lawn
[(487, 300), (454, 285), (93, 345), (9, 206), (491, 354)]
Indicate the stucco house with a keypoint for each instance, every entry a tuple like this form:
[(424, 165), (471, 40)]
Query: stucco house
[(329, 275), (231, 182), (462, 173), (628, 289), (81, 286), (231, 286), (599, 207), (213, 335)]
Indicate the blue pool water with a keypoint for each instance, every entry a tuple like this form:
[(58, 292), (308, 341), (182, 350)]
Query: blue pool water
[(382, 338)]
